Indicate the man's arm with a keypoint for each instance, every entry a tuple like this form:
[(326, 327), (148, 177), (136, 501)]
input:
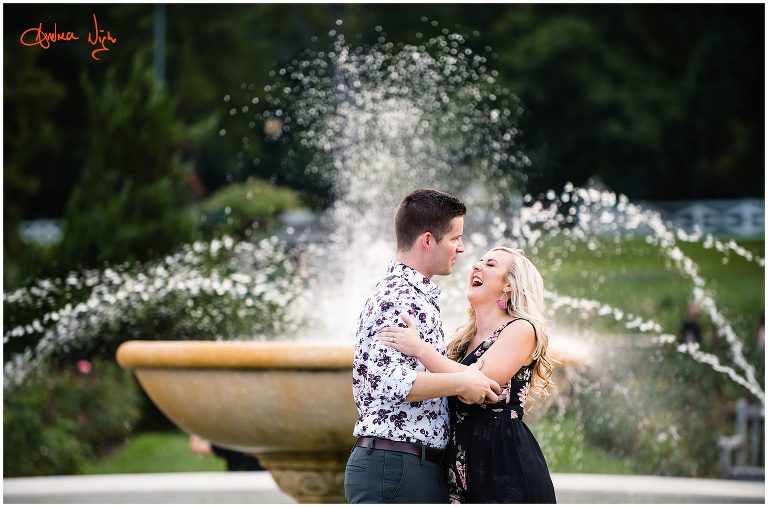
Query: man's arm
[(470, 384)]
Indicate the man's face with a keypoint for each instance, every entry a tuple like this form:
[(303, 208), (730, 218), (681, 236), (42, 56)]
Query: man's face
[(444, 253)]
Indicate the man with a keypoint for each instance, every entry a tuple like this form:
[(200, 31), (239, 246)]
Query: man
[(403, 424)]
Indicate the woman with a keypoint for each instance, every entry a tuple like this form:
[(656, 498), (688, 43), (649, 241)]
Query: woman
[(492, 456)]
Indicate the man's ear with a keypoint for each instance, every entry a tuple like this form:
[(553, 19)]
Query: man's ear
[(427, 240)]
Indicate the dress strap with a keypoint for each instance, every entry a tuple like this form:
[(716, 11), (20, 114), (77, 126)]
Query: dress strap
[(496, 333), (492, 339)]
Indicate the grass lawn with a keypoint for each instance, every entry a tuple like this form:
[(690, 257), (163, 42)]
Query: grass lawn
[(155, 453), (636, 277), (562, 443)]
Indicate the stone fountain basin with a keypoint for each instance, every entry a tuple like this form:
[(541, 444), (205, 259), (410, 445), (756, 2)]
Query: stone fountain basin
[(258, 397)]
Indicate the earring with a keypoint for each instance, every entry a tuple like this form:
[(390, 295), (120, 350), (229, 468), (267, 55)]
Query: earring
[(502, 303)]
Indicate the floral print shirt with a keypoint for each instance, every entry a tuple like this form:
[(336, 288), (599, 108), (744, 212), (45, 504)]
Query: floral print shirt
[(382, 377)]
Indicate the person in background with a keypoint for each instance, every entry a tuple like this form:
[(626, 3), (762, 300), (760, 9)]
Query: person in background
[(236, 461), (690, 332)]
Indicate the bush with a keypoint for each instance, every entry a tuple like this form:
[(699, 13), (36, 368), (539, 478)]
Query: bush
[(217, 290), (658, 409), (239, 208), (63, 417)]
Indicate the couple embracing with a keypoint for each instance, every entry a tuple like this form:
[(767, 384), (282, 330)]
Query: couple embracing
[(444, 423)]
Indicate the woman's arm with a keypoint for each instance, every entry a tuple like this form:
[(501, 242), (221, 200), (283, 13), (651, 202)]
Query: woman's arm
[(511, 351), (407, 341)]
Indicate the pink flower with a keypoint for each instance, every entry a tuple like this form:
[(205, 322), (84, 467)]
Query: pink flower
[(505, 392), (460, 467), (523, 394), (84, 366)]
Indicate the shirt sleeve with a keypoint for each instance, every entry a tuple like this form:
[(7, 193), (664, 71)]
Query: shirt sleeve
[(390, 373)]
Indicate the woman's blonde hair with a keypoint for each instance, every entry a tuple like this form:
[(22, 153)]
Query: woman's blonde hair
[(526, 301)]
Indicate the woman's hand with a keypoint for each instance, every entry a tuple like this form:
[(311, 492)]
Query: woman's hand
[(406, 340)]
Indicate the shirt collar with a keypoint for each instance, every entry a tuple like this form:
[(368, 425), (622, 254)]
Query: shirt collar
[(421, 282)]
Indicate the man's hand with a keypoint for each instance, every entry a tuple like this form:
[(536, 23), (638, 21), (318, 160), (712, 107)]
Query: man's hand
[(477, 388), (406, 340)]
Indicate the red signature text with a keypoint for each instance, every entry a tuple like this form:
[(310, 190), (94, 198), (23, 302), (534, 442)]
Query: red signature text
[(44, 39), (37, 36), (99, 39)]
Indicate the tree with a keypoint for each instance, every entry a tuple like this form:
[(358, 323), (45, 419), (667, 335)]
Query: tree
[(658, 101), (130, 202)]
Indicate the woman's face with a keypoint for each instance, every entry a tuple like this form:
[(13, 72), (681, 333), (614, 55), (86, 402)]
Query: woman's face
[(488, 278)]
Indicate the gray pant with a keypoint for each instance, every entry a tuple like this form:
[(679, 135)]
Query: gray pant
[(376, 476)]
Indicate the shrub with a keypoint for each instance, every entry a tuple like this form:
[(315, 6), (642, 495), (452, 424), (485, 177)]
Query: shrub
[(62, 417), (217, 290), (643, 406), (251, 206)]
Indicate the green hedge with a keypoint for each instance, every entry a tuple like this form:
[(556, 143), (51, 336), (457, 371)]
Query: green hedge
[(62, 418), (240, 208)]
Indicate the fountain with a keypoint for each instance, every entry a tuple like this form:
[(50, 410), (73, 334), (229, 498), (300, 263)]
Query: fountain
[(380, 121), (376, 114)]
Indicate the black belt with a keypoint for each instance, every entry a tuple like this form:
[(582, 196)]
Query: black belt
[(429, 453)]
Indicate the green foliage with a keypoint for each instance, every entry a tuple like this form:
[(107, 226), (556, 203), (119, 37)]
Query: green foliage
[(566, 450), (31, 139), (657, 419), (254, 206), (61, 418), (130, 203), (656, 100), (153, 453), (648, 404), (650, 99)]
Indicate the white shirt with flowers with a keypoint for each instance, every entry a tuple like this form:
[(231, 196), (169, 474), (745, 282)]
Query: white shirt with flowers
[(382, 377)]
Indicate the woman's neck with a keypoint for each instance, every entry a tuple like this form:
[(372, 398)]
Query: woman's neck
[(488, 318)]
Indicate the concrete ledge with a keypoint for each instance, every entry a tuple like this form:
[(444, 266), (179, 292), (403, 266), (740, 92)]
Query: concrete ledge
[(198, 487), (259, 488), (589, 488)]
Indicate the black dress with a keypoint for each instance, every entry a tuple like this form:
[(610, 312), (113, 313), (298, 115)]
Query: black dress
[(492, 456)]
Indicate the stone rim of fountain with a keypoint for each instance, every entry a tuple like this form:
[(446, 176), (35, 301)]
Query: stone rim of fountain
[(285, 355)]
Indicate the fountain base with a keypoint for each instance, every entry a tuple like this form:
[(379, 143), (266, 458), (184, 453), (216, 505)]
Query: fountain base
[(308, 477)]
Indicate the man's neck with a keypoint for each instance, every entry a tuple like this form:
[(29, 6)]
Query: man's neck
[(412, 261)]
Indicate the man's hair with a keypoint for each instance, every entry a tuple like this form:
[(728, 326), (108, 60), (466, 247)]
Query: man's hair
[(425, 210)]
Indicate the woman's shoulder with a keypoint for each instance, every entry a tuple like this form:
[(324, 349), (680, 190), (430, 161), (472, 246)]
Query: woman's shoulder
[(517, 326), (520, 331)]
